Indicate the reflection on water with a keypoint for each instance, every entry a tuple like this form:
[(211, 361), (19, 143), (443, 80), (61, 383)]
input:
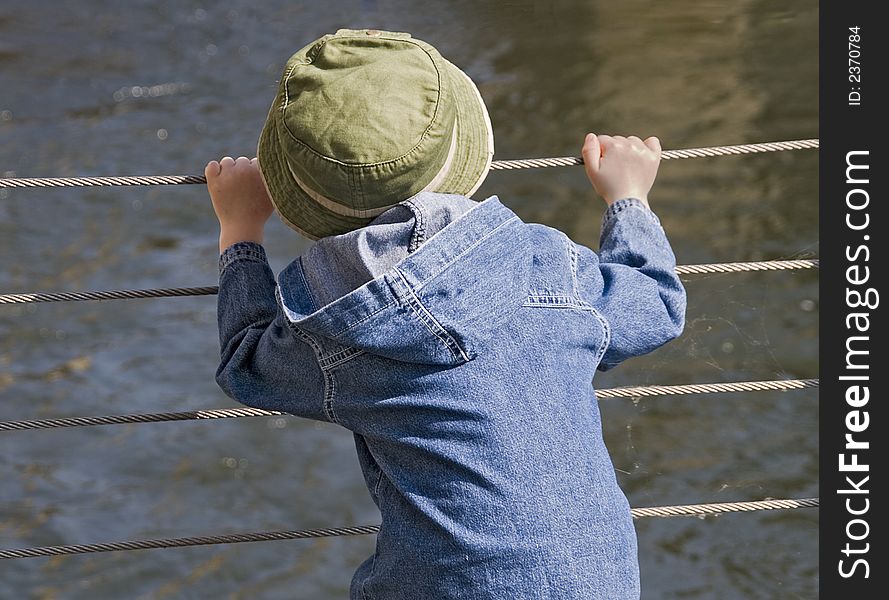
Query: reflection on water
[(162, 87)]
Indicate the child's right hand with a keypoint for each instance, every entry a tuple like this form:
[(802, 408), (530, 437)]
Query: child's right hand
[(621, 167), (239, 198)]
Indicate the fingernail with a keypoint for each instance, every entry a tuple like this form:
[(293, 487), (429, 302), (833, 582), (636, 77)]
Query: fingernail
[(589, 137)]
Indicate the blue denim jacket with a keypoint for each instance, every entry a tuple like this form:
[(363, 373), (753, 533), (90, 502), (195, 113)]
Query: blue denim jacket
[(458, 343)]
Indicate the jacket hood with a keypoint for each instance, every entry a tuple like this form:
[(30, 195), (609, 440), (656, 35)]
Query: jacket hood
[(429, 281)]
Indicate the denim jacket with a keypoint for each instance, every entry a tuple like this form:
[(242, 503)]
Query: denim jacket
[(458, 344)]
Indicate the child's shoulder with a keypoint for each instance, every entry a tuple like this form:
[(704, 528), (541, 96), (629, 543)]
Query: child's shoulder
[(548, 239)]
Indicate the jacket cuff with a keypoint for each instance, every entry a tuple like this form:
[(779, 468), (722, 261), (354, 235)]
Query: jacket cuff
[(627, 204), (242, 251)]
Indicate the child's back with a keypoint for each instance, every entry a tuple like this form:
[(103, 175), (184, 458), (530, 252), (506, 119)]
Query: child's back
[(458, 344)]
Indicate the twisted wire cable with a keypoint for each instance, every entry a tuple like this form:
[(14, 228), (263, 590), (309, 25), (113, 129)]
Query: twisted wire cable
[(569, 161), (687, 510), (497, 165), (43, 182), (191, 415), (737, 267), (33, 297), (232, 413), (266, 536), (706, 388)]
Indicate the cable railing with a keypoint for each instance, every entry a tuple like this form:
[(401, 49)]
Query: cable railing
[(497, 165), (209, 290), (699, 510)]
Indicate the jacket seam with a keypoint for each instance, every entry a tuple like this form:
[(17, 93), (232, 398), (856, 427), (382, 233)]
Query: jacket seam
[(329, 383), (327, 364), (606, 334), (418, 236), (572, 257), (379, 481), (623, 204), (250, 251), (431, 323), (329, 393), (305, 285), (362, 319), (555, 302), (340, 356), (465, 251)]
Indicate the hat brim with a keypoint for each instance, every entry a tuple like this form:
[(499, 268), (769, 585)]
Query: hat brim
[(469, 167)]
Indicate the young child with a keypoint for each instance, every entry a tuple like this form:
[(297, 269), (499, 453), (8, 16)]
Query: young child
[(455, 341)]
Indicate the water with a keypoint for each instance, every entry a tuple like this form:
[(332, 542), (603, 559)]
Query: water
[(76, 98)]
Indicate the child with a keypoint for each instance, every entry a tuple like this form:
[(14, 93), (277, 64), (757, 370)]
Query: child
[(457, 342)]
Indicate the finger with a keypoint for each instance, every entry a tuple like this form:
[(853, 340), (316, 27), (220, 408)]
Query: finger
[(634, 139), (607, 142), (254, 161), (591, 152), (212, 169), (654, 144), (226, 162), (242, 160)]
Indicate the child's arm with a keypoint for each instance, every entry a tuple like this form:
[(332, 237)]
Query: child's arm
[(640, 296), (264, 364)]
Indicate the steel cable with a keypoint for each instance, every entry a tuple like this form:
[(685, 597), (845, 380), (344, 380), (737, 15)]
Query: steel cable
[(497, 165), (34, 297), (233, 413), (706, 388), (698, 510)]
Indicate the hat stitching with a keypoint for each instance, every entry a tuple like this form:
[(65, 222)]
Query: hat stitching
[(362, 211), (286, 91), (365, 165), (359, 185), (357, 192), (335, 205)]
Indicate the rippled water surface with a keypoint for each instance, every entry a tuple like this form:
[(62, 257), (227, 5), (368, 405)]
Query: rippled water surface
[(160, 87)]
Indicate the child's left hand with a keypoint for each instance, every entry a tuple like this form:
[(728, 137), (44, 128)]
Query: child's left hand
[(239, 198)]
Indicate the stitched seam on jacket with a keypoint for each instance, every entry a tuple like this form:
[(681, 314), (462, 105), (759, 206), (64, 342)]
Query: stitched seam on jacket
[(555, 302), (328, 377), (606, 335), (430, 321), (418, 236), (306, 288), (362, 319), (572, 257), (379, 481), (335, 356), (240, 251), (341, 356), (626, 203), (465, 250), (329, 392)]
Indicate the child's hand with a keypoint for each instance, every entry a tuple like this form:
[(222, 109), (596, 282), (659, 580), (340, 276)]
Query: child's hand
[(240, 200), (621, 167)]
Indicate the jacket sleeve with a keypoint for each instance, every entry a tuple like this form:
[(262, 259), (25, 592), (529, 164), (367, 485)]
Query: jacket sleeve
[(632, 283), (264, 364)]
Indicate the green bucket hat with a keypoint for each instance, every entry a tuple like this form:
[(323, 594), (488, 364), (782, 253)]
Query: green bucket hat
[(365, 119)]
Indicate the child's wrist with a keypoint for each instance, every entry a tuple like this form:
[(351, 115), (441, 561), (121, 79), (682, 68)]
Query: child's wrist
[(643, 198), (233, 235)]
